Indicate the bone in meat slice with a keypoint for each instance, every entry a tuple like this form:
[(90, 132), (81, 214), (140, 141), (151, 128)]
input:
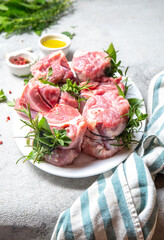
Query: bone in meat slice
[(101, 86), (59, 64), (104, 117), (66, 117), (40, 96), (66, 98)]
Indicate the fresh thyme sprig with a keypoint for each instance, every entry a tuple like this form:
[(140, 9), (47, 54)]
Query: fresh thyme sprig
[(44, 140)]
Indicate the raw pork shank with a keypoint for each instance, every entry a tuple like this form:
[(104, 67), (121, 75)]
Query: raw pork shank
[(99, 87), (89, 65), (65, 117), (42, 97), (102, 85), (105, 120), (60, 67), (66, 98)]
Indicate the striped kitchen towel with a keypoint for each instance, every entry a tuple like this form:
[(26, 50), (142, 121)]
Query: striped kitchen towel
[(122, 203)]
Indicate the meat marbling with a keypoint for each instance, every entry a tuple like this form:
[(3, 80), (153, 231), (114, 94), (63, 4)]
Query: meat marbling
[(66, 117), (89, 65), (104, 117), (66, 98), (60, 67), (42, 97)]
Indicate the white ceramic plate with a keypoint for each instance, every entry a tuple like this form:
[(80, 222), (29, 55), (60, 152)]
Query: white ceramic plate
[(84, 165)]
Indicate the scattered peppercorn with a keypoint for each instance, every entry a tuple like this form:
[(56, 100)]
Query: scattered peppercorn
[(1, 142), (10, 91), (8, 118), (19, 61)]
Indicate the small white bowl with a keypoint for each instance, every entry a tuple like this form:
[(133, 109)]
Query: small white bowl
[(58, 36), (20, 70)]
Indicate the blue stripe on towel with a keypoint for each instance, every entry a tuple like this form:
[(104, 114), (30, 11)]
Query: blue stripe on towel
[(87, 223), (104, 209), (151, 144), (67, 227), (142, 182), (150, 222), (160, 130), (156, 92), (126, 216), (157, 164), (62, 218), (155, 116)]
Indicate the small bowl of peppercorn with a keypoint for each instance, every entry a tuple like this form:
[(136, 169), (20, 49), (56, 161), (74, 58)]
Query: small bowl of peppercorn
[(20, 63)]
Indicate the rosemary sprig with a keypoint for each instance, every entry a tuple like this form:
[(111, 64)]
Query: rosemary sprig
[(44, 140)]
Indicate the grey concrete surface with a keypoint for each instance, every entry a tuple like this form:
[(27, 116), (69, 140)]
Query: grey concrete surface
[(30, 199)]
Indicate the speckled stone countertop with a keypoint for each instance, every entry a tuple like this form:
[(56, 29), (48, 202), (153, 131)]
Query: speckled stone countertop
[(30, 199)]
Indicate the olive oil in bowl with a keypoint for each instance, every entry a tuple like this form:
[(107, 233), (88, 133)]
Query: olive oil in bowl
[(54, 43)]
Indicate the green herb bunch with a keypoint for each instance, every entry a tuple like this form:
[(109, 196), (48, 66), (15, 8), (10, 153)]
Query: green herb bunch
[(18, 17), (134, 124), (115, 67), (2, 96), (74, 90), (44, 141)]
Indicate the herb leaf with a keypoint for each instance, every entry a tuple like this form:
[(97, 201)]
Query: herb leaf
[(112, 52), (120, 92), (2, 96), (28, 77), (50, 72), (11, 104), (68, 34), (44, 140), (115, 66)]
